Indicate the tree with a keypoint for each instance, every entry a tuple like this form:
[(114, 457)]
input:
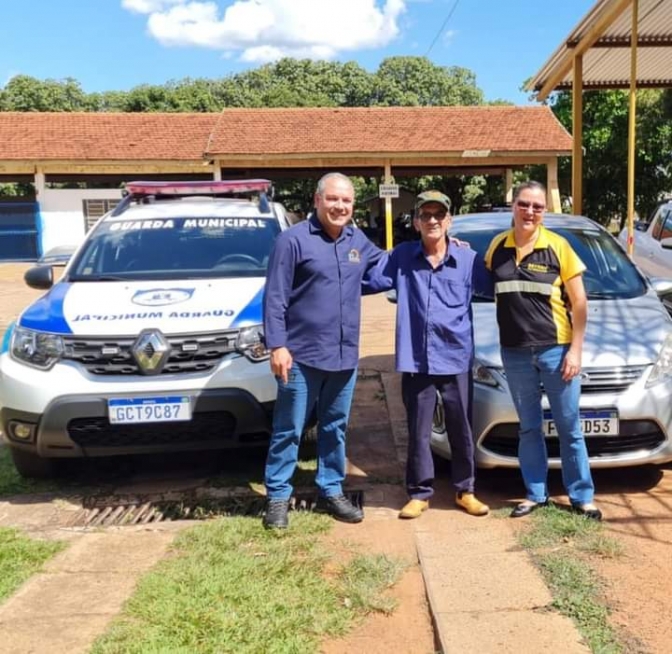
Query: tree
[(416, 81), (25, 93), (605, 142)]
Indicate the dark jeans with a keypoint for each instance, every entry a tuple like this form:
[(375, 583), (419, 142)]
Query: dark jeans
[(419, 393), (332, 393)]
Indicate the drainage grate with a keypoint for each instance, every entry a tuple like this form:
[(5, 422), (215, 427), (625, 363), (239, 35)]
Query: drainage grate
[(125, 514)]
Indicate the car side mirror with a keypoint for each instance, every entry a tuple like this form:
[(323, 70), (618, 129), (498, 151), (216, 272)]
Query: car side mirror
[(666, 243), (641, 226), (391, 296), (39, 277), (661, 285)]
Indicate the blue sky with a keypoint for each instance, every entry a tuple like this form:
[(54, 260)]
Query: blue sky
[(118, 44)]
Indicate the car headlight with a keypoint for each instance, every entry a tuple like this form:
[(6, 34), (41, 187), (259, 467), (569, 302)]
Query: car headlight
[(482, 375), (251, 343), (38, 349), (662, 371)]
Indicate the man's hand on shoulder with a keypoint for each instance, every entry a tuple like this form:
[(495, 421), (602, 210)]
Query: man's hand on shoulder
[(281, 363), (456, 241)]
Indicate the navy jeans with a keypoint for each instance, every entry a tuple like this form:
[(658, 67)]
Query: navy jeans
[(527, 368), (419, 394), (306, 387)]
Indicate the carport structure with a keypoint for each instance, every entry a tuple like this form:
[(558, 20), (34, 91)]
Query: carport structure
[(97, 149), (618, 44)]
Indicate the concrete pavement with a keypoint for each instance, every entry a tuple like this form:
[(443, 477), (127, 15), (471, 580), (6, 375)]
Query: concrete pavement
[(485, 594)]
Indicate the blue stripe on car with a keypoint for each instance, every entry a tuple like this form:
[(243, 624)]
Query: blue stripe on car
[(252, 313), (46, 315)]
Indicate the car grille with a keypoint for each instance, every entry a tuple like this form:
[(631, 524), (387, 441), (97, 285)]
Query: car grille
[(188, 353), (635, 435), (203, 427), (605, 380)]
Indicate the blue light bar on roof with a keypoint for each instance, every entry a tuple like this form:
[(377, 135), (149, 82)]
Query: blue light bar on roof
[(199, 188)]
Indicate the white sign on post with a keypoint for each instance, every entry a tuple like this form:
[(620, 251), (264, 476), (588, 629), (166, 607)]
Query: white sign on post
[(388, 191)]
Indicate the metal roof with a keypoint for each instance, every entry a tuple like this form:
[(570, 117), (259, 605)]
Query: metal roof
[(603, 37)]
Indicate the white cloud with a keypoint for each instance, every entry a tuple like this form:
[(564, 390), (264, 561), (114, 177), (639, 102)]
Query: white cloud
[(265, 30)]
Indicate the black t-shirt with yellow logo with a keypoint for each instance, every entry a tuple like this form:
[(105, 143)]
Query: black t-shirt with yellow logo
[(532, 304)]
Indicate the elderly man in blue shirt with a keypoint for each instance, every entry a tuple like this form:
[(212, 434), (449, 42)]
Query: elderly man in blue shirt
[(434, 348), (311, 323)]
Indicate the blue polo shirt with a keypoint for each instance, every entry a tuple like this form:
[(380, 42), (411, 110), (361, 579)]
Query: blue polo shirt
[(312, 301), (434, 329)]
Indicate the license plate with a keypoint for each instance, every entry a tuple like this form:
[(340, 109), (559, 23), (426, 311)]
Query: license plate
[(593, 423), (149, 409)]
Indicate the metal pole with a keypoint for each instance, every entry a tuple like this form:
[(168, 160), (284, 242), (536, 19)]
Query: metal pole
[(631, 129), (577, 134), (388, 208)]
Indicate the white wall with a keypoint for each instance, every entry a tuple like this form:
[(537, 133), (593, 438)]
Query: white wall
[(62, 214)]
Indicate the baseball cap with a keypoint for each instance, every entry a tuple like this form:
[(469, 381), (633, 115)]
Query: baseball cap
[(432, 196)]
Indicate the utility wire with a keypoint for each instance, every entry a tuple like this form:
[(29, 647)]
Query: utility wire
[(443, 26)]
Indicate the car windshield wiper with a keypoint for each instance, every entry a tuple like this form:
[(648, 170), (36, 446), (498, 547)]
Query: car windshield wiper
[(99, 278), (597, 295)]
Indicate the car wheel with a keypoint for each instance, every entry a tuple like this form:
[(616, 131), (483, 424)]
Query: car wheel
[(32, 466)]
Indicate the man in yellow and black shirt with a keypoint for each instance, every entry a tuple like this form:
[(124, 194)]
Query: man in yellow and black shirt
[(541, 314)]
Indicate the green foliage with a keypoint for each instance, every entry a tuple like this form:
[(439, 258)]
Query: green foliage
[(21, 557), (605, 142), (234, 587)]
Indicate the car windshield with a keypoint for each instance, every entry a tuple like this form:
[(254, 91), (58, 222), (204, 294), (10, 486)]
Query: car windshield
[(609, 272), (176, 248)]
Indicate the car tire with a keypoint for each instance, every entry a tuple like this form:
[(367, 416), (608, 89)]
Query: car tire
[(32, 466)]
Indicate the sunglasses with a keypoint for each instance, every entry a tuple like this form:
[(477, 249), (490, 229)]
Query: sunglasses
[(426, 216), (536, 207)]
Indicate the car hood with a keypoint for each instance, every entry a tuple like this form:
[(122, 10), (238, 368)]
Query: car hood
[(619, 332), (126, 308)]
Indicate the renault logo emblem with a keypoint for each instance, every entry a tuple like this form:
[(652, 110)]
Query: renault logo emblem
[(151, 351)]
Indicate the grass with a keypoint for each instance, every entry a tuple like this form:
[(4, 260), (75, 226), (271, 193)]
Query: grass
[(21, 557), (562, 544), (11, 483), (231, 586)]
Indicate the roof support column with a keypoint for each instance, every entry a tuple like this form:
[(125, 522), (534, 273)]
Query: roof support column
[(631, 128), (552, 189), (40, 183), (508, 186), (577, 129), (388, 207), (217, 171)]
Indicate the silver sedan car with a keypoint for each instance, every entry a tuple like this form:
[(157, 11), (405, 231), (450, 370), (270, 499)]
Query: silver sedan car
[(626, 391)]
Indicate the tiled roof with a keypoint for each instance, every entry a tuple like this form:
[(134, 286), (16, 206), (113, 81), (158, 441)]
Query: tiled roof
[(388, 130), (308, 131), (104, 136)]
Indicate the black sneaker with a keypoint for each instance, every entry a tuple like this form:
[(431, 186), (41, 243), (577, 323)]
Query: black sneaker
[(276, 514), (339, 507)]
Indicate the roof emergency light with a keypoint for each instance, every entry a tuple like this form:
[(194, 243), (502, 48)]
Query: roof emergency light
[(206, 187), (139, 190)]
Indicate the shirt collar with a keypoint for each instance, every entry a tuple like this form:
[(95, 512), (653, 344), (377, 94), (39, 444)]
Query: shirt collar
[(420, 253), (540, 244), (315, 226)]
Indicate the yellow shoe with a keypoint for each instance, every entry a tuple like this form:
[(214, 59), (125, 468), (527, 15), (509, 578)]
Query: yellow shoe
[(471, 504), (414, 508)]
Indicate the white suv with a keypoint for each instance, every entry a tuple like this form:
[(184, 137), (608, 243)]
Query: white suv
[(152, 340)]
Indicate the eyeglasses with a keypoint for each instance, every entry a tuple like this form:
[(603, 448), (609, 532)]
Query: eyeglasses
[(536, 207), (426, 216)]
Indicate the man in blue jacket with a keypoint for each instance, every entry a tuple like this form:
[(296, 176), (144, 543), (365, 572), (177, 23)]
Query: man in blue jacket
[(311, 324), (434, 348)]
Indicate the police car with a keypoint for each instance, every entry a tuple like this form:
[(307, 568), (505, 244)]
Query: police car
[(152, 339)]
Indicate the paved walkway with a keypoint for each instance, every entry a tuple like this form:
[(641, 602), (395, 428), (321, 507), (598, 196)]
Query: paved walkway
[(485, 594)]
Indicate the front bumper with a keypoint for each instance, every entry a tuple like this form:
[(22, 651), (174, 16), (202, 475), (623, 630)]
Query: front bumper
[(68, 409), (645, 428)]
